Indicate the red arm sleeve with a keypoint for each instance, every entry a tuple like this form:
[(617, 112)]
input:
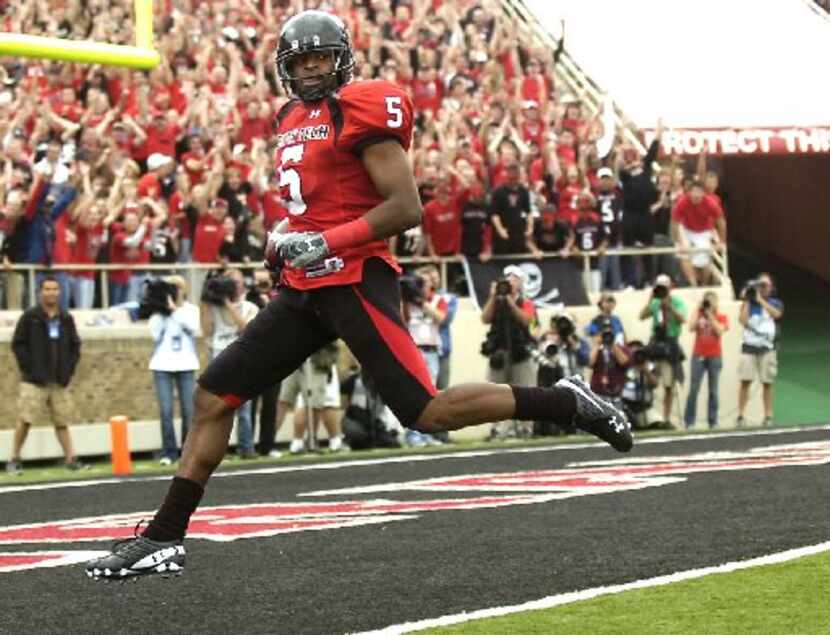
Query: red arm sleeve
[(374, 111)]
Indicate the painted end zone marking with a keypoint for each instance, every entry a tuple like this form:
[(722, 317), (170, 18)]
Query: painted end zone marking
[(25, 560), (589, 594)]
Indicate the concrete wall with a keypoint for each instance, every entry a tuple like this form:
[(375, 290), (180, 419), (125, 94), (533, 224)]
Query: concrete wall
[(112, 376)]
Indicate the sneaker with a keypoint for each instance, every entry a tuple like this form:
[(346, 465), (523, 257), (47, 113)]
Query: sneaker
[(297, 446), (247, 454), (740, 422), (431, 440), (598, 416), (767, 422), (336, 444), (415, 439), (14, 468), (274, 454), (165, 461), (138, 556), (76, 465)]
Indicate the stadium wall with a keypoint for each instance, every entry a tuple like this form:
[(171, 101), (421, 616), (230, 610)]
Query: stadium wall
[(780, 205), (112, 376)]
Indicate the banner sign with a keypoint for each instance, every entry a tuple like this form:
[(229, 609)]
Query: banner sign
[(551, 283), (748, 141)]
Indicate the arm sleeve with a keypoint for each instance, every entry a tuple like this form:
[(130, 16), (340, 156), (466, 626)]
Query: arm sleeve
[(374, 112), (74, 346), (20, 345), (65, 199), (156, 327)]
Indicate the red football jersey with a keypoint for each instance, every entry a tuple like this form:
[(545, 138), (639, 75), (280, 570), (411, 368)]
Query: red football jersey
[(322, 179)]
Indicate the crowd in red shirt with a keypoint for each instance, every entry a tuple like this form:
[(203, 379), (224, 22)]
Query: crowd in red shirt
[(173, 163)]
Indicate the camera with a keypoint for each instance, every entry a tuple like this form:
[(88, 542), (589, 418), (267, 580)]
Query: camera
[(607, 335), (155, 298), (412, 289), (564, 327), (503, 287), (661, 292), (551, 350), (217, 289), (750, 291), (706, 305)]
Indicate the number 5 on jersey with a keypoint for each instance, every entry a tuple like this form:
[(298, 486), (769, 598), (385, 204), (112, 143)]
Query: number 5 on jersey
[(290, 178)]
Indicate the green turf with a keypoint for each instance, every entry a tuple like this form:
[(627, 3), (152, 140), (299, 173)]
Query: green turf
[(789, 598)]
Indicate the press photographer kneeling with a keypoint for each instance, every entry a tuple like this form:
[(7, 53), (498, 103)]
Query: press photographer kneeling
[(511, 317), (560, 353), (667, 313)]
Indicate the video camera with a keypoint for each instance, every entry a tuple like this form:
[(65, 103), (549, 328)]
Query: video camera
[(412, 289), (155, 298), (218, 288)]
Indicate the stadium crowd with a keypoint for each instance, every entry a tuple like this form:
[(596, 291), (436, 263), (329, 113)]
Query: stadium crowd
[(107, 165)]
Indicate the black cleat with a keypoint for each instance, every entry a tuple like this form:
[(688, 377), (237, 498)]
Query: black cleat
[(138, 556), (598, 416)]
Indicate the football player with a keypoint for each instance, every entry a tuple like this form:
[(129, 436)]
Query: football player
[(348, 186)]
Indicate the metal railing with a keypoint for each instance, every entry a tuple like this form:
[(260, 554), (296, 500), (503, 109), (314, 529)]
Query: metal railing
[(189, 270)]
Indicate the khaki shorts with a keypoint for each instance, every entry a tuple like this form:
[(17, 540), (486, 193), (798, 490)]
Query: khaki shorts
[(38, 404), (664, 370), (325, 392), (763, 366)]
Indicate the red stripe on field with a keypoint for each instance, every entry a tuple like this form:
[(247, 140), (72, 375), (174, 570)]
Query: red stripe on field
[(401, 345)]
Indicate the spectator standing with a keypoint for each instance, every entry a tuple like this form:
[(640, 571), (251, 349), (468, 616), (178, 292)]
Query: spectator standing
[(638, 195), (667, 313), (47, 348), (510, 215), (552, 233), (223, 325), (709, 325), (442, 222), (698, 222), (450, 301), (760, 312), (610, 206), (590, 234), (424, 311), (174, 362), (661, 212)]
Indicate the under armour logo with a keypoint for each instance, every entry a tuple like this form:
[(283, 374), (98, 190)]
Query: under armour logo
[(618, 425), (314, 114)]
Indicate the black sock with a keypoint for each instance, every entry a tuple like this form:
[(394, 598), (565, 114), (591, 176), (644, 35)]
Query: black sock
[(544, 404), (170, 521)]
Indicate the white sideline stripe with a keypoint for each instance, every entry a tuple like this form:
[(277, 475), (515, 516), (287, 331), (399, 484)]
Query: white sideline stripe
[(588, 594), (336, 465)]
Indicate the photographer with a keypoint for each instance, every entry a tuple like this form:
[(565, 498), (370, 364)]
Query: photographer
[(561, 353), (174, 325), (759, 313), (668, 314), (609, 362), (225, 313), (709, 326), (606, 305), (512, 318), (638, 391), (423, 312)]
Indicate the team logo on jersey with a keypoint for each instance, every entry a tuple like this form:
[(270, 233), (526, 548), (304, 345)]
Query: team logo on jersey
[(301, 135), (465, 492)]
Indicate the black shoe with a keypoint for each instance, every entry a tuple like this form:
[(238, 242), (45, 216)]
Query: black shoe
[(138, 556), (76, 465), (598, 416)]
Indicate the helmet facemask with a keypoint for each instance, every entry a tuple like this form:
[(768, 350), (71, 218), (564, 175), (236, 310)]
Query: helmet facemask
[(341, 73)]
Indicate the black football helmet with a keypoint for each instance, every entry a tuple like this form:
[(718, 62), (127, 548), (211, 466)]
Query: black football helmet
[(314, 31)]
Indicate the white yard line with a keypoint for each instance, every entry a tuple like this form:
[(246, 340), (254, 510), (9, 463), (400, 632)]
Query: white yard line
[(337, 465), (588, 594)]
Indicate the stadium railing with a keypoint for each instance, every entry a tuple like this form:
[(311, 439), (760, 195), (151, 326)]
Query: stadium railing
[(188, 269)]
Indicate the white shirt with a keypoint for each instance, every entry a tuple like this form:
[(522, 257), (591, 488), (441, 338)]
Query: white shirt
[(226, 332), (175, 339)]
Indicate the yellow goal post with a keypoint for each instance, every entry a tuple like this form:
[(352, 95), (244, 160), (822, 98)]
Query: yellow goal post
[(141, 56)]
